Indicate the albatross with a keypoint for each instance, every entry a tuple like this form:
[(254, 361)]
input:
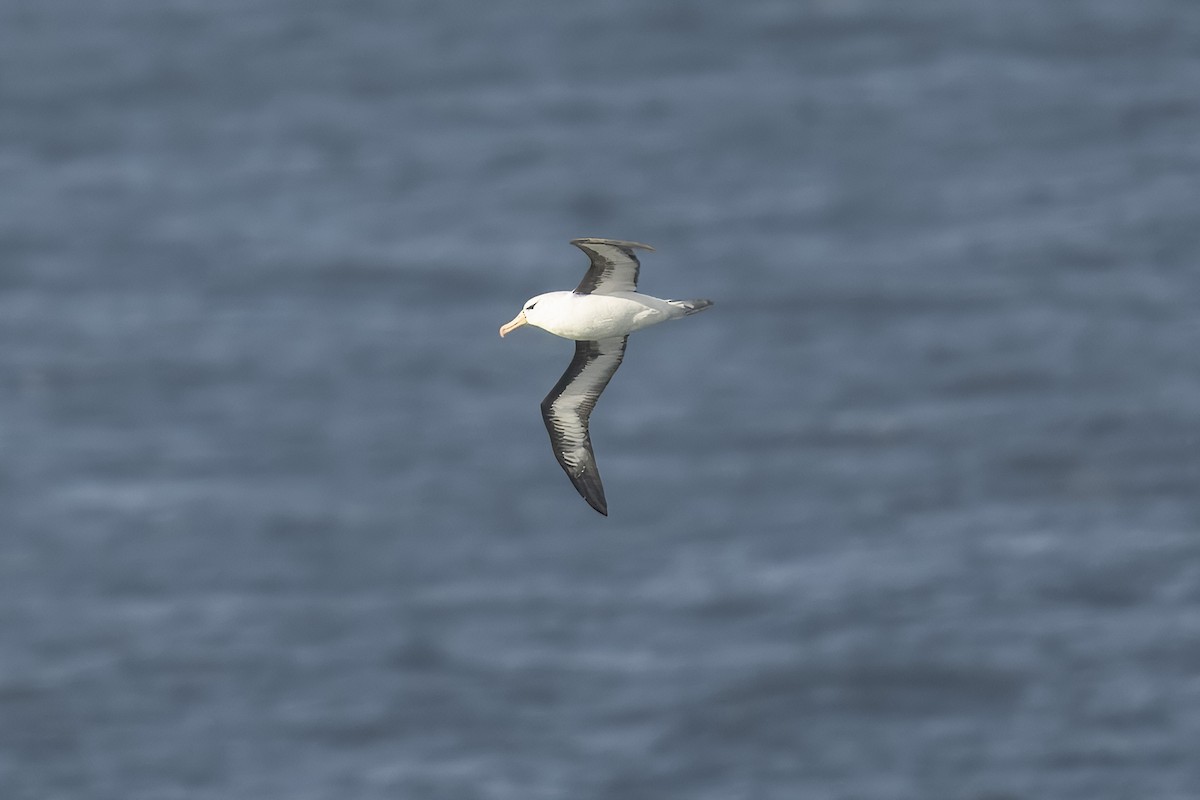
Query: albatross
[(598, 316)]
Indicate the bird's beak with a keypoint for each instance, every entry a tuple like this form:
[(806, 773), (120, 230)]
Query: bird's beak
[(517, 322)]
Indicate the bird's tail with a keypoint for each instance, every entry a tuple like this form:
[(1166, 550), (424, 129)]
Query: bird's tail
[(691, 306)]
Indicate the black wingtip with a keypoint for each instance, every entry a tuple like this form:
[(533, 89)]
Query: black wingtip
[(593, 492), (614, 242)]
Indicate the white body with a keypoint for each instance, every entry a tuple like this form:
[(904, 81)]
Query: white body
[(597, 316)]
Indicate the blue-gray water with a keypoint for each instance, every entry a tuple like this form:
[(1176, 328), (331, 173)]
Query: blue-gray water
[(912, 514)]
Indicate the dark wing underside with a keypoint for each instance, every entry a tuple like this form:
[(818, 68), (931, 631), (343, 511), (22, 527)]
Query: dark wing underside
[(614, 266), (567, 408)]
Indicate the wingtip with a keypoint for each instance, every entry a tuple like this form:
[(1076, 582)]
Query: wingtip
[(614, 242), (593, 493), (591, 490)]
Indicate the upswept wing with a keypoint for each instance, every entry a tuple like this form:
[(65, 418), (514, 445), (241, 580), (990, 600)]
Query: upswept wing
[(567, 408), (614, 266)]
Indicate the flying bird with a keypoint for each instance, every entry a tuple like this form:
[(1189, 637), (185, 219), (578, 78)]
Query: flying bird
[(598, 316)]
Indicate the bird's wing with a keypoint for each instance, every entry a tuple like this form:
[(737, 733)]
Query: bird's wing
[(567, 408), (614, 266)]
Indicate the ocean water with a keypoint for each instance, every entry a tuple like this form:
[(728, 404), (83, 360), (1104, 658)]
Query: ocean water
[(913, 513)]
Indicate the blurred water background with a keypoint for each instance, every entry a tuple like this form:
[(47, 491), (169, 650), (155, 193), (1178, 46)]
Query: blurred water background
[(913, 513)]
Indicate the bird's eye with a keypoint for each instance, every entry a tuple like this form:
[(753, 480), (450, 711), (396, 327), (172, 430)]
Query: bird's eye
[(531, 305)]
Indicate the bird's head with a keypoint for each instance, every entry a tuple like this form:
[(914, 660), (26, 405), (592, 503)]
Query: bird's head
[(533, 313)]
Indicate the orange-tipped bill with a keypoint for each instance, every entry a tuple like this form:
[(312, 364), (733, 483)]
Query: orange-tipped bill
[(517, 322)]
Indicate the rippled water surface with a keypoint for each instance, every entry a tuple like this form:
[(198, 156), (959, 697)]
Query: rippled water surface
[(911, 514)]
